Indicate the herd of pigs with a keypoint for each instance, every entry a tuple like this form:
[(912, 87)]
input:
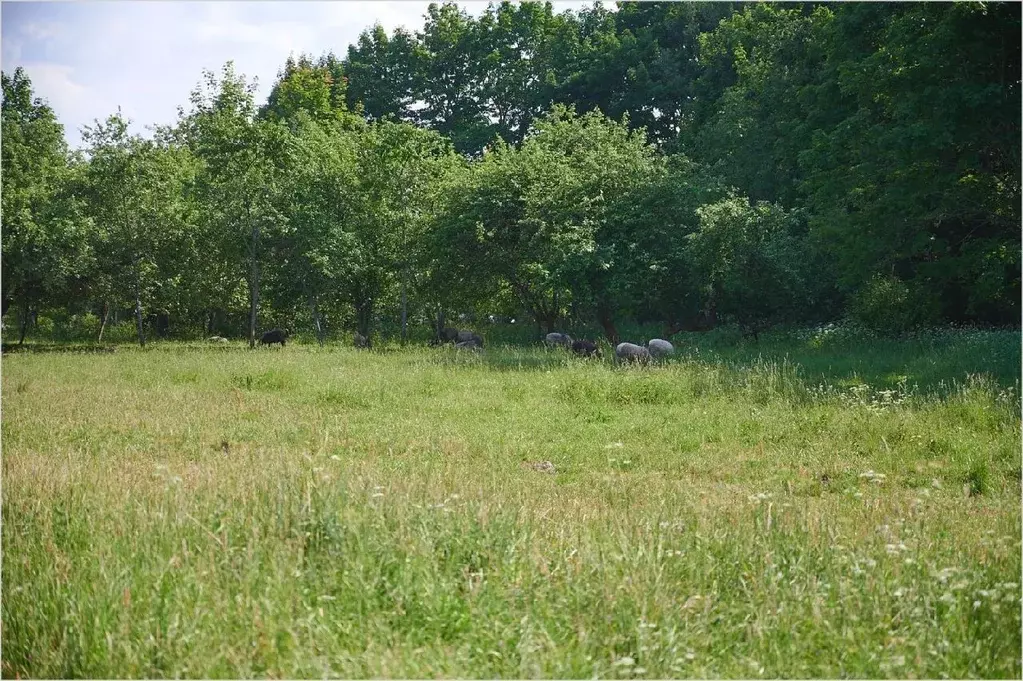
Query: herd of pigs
[(468, 340)]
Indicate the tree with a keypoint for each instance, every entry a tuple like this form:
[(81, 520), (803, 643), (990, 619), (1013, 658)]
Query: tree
[(657, 280), (323, 203), (539, 220), (385, 74), (916, 175), (240, 182), (752, 261), (43, 239), (754, 124), (452, 92), (318, 88), (402, 171), (135, 198)]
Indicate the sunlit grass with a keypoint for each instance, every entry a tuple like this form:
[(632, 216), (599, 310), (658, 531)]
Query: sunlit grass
[(197, 512)]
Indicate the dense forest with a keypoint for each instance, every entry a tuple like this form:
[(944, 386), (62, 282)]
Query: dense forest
[(682, 164)]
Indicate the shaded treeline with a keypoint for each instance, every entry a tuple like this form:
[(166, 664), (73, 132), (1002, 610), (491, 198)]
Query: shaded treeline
[(679, 163)]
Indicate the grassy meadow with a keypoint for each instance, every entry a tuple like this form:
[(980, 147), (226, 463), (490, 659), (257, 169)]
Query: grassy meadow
[(811, 506)]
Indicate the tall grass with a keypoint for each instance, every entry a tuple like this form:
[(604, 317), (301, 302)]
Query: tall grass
[(198, 512)]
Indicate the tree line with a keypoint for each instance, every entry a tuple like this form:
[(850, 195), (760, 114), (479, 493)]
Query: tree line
[(680, 163)]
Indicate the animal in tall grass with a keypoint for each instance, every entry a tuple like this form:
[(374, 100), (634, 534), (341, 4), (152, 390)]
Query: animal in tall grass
[(630, 352), (558, 340), (447, 334), (219, 340), (359, 340), (585, 348), (457, 337), (274, 336), (467, 337), (660, 348), (474, 343)]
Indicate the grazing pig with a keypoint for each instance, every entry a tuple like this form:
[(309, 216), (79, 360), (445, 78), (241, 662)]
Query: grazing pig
[(629, 352), (660, 348), (468, 337), (274, 336), (555, 340), (585, 348), (217, 339), (475, 343)]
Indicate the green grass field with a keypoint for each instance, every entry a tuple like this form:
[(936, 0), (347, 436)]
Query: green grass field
[(807, 507)]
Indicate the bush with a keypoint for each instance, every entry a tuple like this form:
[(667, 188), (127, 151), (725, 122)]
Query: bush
[(886, 304), (77, 327)]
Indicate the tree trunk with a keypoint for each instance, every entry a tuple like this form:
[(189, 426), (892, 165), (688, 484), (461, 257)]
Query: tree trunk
[(440, 323), (314, 307), (24, 322), (253, 285), (404, 306), (138, 307), (103, 321), (6, 303), (606, 320), (363, 318)]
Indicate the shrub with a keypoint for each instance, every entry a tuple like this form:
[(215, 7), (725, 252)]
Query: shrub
[(887, 304)]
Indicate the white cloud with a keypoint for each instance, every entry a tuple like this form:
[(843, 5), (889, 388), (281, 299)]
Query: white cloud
[(41, 31), (88, 58), (56, 83)]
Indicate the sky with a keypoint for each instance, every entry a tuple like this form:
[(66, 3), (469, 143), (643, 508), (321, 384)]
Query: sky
[(89, 58)]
